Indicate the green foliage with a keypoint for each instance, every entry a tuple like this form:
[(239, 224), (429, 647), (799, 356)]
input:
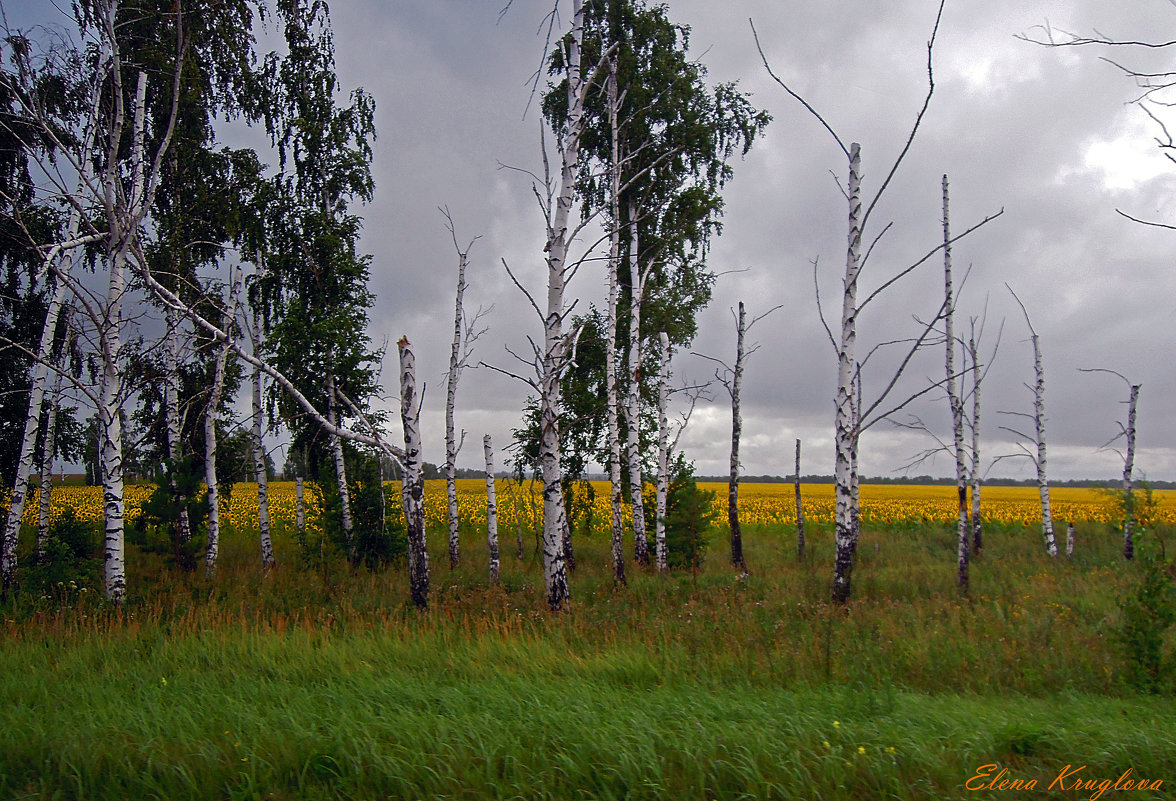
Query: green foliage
[(378, 532), (689, 515), (156, 529), (69, 564), (1147, 613)]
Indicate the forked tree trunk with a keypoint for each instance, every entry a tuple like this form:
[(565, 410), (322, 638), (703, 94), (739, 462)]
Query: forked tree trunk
[(663, 454), (413, 486), (47, 449), (633, 406), (610, 345), (1128, 466), (845, 424), (799, 509), (491, 510), (736, 429), (340, 466), (956, 404)]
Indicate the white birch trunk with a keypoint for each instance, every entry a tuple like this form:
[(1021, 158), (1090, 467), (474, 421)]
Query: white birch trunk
[(736, 430), (413, 485), (977, 523), (1070, 540), (1128, 466), (633, 406), (210, 414), (340, 466), (663, 454), (845, 423), (554, 345), (41, 366), (1051, 545), (799, 509), (171, 403), (46, 489), (263, 518), (451, 445), (491, 510), (110, 437), (299, 505), (610, 345), (963, 535)]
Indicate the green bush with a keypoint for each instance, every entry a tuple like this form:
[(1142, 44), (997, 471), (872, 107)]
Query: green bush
[(689, 515), (69, 563), (1147, 614)]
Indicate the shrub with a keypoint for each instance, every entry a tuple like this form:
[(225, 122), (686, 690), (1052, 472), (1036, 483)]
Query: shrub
[(689, 514), (1147, 614)]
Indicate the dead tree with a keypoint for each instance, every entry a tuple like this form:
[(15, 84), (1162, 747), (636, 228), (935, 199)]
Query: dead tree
[(491, 510), (464, 336), (1127, 432), (956, 404), (799, 508), (731, 377), (1038, 454), (851, 418)]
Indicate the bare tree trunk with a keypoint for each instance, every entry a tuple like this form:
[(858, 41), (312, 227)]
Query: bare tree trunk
[(610, 345), (47, 463), (1039, 424), (491, 510), (413, 486), (263, 519), (340, 466), (633, 407), (1069, 540), (110, 436), (846, 433), (799, 509), (963, 535), (977, 523), (299, 505), (451, 444), (210, 414), (736, 429), (1128, 466), (41, 366), (663, 454), (171, 402)]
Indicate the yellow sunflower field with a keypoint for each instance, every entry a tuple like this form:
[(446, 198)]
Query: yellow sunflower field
[(882, 505)]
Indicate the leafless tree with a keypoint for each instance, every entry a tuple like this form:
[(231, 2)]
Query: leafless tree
[(1127, 433)]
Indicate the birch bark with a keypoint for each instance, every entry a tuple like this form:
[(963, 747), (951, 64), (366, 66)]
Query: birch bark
[(610, 345), (210, 414), (1047, 530), (799, 509), (963, 535), (663, 454), (40, 377), (845, 450), (633, 406), (451, 444), (413, 486), (340, 466), (171, 403), (259, 466), (1128, 466), (491, 510), (977, 523), (300, 505), (736, 430), (47, 449)]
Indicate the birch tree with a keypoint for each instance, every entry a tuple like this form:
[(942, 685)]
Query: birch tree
[(491, 510), (1127, 433), (955, 402), (799, 508), (851, 416), (1037, 454), (413, 484)]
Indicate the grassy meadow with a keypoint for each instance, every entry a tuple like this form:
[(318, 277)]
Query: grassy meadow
[(317, 680)]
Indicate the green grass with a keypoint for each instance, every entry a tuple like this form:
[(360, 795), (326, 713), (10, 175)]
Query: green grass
[(325, 683)]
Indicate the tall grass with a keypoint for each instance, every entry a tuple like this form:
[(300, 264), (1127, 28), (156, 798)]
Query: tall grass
[(323, 682)]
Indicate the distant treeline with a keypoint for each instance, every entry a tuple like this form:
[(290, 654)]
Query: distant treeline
[(989, 482)]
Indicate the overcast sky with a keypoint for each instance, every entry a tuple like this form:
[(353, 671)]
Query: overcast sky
[(1046, 134)]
